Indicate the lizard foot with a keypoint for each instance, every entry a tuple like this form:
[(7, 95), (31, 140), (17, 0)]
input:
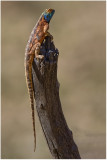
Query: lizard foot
[(48, 34), (40, 57)]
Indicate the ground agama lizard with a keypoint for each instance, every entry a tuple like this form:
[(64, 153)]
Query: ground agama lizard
[(38, 34)]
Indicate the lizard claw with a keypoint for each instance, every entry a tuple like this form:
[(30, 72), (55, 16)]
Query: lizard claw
[(48, 34)]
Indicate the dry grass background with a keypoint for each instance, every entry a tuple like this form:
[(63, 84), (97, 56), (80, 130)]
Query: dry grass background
[(79, 34)]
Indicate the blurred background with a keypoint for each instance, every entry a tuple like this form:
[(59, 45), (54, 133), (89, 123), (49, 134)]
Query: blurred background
[(79, 34)]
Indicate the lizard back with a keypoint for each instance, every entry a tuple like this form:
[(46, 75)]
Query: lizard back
[(37, 36)]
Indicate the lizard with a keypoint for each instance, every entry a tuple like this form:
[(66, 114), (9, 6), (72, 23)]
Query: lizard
[(38, 34)]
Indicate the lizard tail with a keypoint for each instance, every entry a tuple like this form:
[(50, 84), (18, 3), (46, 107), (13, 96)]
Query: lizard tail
[(31, 94), (33, 112)]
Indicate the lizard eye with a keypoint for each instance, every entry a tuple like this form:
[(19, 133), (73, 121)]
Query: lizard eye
[(47, 16)]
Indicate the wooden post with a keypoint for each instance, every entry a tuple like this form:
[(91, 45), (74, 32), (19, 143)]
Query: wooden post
[(46, 92)]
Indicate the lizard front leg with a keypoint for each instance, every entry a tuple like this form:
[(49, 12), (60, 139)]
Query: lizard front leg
[(46, 28)]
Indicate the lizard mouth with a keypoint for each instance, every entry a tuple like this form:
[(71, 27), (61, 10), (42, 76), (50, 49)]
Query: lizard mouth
[(50, 10)]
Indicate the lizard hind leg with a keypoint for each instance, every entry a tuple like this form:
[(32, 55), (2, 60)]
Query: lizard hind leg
[(37, 51)]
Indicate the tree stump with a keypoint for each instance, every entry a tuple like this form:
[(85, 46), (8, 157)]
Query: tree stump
[(46, 92)]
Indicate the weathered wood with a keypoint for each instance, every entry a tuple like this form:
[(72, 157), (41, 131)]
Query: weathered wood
[(48, 105)]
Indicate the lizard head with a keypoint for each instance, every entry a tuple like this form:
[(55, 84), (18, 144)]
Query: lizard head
[(48, 13)]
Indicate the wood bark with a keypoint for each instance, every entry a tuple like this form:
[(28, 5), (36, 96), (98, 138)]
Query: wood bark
[(46, 92)]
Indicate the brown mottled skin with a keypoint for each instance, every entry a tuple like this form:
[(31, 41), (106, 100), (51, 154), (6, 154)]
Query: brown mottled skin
[(37, 36)]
